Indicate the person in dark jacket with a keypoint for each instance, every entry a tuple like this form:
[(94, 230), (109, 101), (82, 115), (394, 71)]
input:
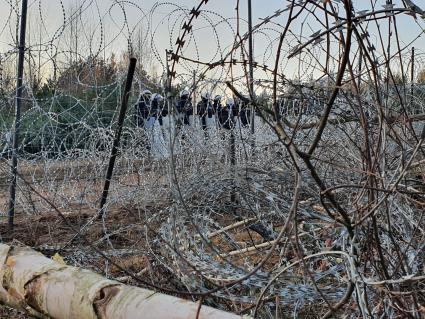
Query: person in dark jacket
[(205, 110), (216, 103), (142, 108), (184, 108), (243, 113), (226, 113), (157, 108)]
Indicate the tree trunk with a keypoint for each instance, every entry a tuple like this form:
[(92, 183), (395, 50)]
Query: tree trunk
[(44, 288)]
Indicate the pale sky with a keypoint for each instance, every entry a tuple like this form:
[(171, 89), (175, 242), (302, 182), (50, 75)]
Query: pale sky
[(118, 25), (112, 22)]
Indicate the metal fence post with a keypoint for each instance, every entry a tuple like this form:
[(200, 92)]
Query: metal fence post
[(18, 100), (117, 137)]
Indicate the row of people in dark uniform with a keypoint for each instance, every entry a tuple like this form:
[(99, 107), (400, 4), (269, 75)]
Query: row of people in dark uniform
[(211, 112), (151, 107)]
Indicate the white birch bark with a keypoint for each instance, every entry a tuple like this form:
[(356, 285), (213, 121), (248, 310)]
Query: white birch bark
[(44, 288)]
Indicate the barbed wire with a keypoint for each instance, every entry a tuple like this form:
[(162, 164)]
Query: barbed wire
[(321, 208)]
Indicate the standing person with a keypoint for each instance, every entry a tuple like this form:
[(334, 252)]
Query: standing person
[(243, 113), (158, 147), (156, 108), (142, 108), (216, 108), (225, 114), (216, 103), (205, 110), (184, 108)]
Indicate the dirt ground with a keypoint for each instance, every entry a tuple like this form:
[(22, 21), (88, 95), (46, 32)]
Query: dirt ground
[(51, 233), (54, 231)]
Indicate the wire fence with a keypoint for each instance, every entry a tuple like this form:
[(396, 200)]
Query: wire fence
[(319, 211)]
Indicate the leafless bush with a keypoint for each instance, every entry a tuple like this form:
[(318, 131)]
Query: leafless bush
[(319, 211)]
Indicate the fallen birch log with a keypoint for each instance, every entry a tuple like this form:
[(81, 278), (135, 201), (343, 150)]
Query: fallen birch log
[(44, 288)]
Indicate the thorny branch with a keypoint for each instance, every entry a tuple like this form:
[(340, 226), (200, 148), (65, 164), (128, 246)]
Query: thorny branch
[(323, 213)]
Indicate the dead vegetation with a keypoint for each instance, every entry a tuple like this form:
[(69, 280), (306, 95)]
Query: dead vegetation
[(314, 210)]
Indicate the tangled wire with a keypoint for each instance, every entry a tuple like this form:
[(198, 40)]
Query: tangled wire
[(315, 206)]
